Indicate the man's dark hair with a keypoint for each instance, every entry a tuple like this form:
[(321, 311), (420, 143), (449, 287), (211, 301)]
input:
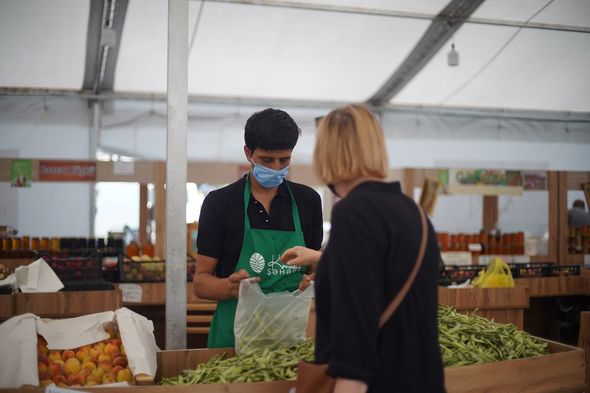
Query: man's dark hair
[(271, 129), (579, 204)]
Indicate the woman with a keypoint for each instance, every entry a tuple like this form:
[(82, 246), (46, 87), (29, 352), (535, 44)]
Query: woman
[(374, 242)]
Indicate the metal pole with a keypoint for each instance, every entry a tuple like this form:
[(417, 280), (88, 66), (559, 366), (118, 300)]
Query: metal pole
[(176, 174), (92, 146)]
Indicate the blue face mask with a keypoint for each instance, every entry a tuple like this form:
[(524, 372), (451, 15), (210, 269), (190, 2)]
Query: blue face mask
[(267, 177)]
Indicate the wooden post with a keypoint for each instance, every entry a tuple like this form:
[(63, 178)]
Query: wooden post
[(409, 182), (160, 209), (143, 213), (557, 217), (490, 212)]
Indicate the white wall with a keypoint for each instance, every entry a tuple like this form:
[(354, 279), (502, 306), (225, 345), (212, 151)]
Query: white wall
[(52, 128)]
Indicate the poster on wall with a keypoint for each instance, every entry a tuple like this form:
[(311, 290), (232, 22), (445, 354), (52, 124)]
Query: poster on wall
[(67, 171), (534, 180), (485, 182), (21, 173)]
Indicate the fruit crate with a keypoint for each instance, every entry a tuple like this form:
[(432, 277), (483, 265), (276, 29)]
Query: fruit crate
[(149, 270), (565, 271), (458, 274), (527, 270), (76, 267)]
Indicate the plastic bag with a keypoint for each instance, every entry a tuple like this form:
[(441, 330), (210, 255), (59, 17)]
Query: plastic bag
[(496, 275), (268, 321)]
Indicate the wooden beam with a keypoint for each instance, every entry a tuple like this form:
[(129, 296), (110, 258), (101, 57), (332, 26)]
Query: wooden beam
[(490, 212), (143, 213), (160, 209)]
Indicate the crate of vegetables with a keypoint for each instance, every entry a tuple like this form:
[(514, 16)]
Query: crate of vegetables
[(479, 356)]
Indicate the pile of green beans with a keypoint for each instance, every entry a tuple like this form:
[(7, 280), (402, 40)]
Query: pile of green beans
[(469, 339), (276, 365)]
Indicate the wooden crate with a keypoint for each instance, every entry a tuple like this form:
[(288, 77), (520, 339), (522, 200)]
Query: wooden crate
[(551, 286), (563, 370), (67, 304), (503, 305), (6, 307)]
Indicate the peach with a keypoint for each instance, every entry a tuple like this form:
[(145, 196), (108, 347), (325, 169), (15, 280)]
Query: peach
[(116, 341), (54, 355), (72, 366), (81, 354), (93, 378), (45, 382), (120, 361), (123, 349), (75, 379), (68, 353), (59, 379), (62, 385), (116, 369), (43, 369), (88, 366), (95, 352), (105, 365), (108, 378), (104, 357), (42, 358), (124, 375), (56, 368), (99, 372), (99, 345), (43, 351), (92, 383), (111, 349)]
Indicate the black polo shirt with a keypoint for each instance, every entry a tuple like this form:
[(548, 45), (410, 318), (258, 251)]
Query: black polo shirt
[(221, 223), (373, 245)]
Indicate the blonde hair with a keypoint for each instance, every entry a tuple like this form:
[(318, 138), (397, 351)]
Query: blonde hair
[(350, 144)]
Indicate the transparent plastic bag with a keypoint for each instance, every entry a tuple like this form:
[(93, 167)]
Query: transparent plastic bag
[(268, 321)]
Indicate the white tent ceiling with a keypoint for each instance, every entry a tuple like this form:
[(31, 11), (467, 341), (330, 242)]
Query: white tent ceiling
[(519, 59)]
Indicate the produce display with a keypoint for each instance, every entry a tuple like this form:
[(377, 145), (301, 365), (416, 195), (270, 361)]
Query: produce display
[(464, 339), (149, 269), (276, 365), (100, 363), (468, 339)]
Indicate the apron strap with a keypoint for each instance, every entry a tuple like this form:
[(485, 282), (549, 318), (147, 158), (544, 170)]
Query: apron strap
[(294, 210)]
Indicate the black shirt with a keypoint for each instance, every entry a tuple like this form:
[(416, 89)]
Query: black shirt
[(373, 245), (221, 223)]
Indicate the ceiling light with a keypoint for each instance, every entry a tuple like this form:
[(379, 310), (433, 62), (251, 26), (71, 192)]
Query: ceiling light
[(453, 57)]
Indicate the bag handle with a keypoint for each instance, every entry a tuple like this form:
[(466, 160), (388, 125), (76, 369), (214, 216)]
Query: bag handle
[(408, 284)]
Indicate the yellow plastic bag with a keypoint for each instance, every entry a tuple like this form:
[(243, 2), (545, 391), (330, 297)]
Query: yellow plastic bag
[(496, 275)]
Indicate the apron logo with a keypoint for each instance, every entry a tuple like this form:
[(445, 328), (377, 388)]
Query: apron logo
[(277, 268), (257, 262)]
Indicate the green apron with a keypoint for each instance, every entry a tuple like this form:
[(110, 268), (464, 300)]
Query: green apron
[(259, 256)]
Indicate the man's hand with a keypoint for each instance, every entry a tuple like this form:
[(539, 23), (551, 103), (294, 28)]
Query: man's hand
[(233, 281), (300, 256), (306, 281)]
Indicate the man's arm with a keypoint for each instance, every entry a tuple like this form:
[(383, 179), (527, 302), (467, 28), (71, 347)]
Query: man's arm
[(208, 286)]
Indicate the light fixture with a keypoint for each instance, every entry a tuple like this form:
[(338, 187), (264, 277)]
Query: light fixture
[(453, 57)]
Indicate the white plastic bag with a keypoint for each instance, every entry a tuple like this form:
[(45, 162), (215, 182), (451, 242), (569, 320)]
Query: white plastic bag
[(268, 321)]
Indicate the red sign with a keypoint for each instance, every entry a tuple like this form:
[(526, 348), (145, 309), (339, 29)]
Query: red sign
[(67, 171)]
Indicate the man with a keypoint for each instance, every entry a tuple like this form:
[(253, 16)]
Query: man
[(245, 227), (577, 216)]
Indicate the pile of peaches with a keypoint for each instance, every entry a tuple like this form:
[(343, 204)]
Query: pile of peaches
[(97, 364)]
